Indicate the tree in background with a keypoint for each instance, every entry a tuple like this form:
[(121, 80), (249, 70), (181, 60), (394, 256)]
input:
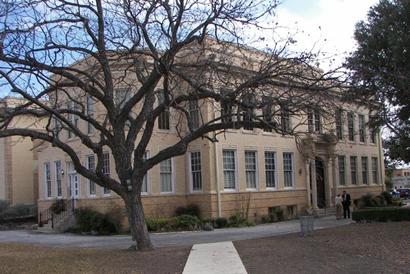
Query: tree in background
[(137, 62), (380, 69)]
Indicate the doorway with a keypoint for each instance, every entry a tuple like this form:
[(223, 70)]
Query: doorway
[(320, 183)]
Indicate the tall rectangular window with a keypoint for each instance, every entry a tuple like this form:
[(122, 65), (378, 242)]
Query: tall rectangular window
[(375, 170), (164, 116), (166, 176), (47, 179), (106, 169), (285, 120), (144, 187), (229, 167), (339, 124), (373, 135), (288, 169), (267, 115), (196, 175), (350, 126), (270, 169), (90, 113), (353, 169), (91, 167), (121, 96), (342, 174), (365, 170), (58, 178), (362, 129), (194, 113), (72, 118), (250, 169), (314, 121)]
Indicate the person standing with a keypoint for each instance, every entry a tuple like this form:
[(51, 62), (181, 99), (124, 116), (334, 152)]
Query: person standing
[(346, 204), (339, 206)]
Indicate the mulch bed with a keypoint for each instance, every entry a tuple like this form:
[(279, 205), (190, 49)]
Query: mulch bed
[(18, 258), (355, 248)]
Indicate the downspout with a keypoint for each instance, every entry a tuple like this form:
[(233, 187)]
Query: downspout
[(381, 162), (218, 192)]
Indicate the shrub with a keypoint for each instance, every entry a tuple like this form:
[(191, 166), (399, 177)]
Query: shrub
[(58, 206), (191, 209), (221, 222), (387, 197), (89, 220), (187, 222), (19, 210), (157, 224), (275, 214), (4, 205), (236, 220), (382, 214)]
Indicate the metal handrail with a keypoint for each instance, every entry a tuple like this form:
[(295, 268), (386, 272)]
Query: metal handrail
[(46, 215)]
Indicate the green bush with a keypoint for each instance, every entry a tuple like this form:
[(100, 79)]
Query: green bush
[(221, 222), (4, 205), (383, 214), (19, 210), (387, 197), (156, 225), (187, 222), (191, 209), (89, 220)]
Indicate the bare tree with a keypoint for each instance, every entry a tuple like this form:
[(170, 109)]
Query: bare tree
[(135, 61)]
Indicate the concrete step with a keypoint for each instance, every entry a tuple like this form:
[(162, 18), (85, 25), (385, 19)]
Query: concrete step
[(322, 212)]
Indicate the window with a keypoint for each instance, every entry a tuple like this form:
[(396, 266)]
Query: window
[(47, 179), (106, 169), (339, 124), (163, 118), (166, 176), (229, 169), (362, 129), (314, 122), (194, 113), (248, 112), (144, 187), (90, 113), (373, 135), (270, 169), (285, 120), (342, 177), (350, 126), (58, 178), (288, 169), (122, 95), (91, 166), (375, 170), (250, 169), (72, 118), (57, 126), (364, 171), (196, 176), (353, 169), (267, 115)]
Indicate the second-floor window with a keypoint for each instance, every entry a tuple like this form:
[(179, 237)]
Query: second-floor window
[(194, 113), (314, 120), (285, 120), (90, 113), (365, 179), (350, 126), (267, 112), (362, 129), (72, 118), (353, 169), (342, 174), (339, 124), (164, 116)]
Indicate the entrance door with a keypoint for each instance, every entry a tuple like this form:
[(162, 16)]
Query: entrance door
[(74, 185), (320, 184)]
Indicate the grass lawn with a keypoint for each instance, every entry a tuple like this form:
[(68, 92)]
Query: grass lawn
[(355, 248), (18, 258)]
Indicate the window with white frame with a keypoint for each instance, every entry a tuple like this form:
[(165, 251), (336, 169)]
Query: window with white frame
[(250, 169), (121, 96), (339, 124), (288, 169), (314, 121), (91, 167), (267, 112), (144, 187), (270, 169), (375, 170), (90, 114), (196, 175), (166, 176), (106, 169), (164, 116), (365, 179), (72, 118), (373, 135), (353, 169), (350, 126), (57, 165), (47, 179), (362, 128), (194, 113), (285, 120), (229, 168), (342, 173)]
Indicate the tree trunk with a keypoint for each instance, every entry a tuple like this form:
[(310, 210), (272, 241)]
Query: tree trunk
[(138, 227)]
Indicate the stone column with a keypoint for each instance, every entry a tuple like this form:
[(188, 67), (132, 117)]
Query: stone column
[(314, 183), (328, 183), (335, 184), (308, 183)]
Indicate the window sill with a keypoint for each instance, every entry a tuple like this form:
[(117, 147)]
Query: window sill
[(271, 189), (252, 190), (167, 193), (267, 133), (230, 190), (145, 193), (289, 188)]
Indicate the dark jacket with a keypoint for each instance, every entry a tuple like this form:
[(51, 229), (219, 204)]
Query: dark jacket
[(346, 199)]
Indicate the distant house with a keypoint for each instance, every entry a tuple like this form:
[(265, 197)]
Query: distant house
[(401, 178), (18, 171)]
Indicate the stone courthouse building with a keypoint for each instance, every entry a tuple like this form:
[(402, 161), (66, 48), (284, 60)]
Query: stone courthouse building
[(249, 170)]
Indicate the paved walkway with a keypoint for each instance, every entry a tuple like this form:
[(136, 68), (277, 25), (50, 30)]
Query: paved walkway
[(165, 239), (215, 258)]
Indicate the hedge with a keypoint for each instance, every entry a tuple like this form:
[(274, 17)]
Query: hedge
[(382, 214)]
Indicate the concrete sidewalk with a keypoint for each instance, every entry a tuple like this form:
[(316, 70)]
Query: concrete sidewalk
[(215, 258), (165, 239)]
